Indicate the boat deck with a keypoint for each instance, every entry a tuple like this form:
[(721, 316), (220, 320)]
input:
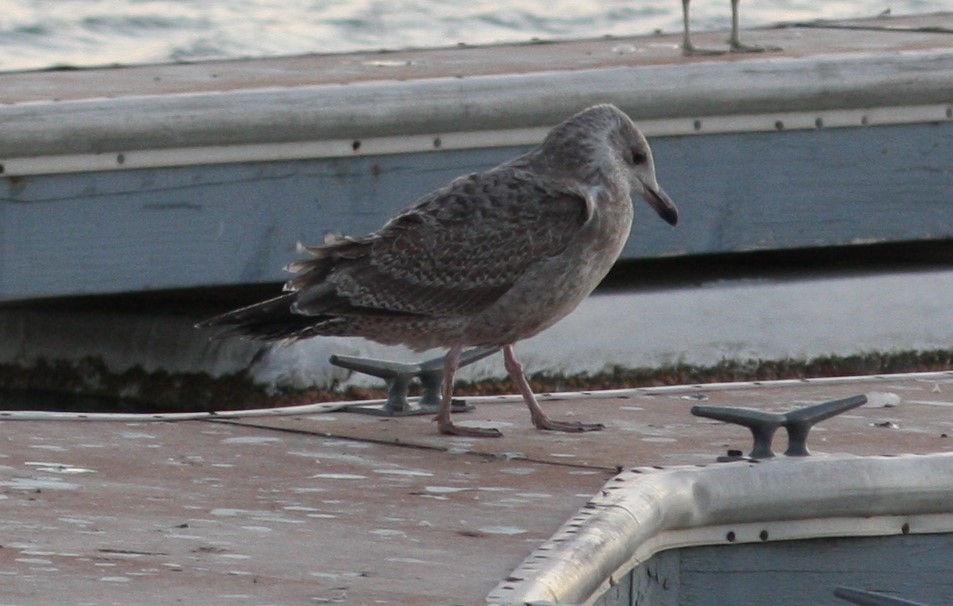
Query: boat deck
[(891, 34), (306, 507)]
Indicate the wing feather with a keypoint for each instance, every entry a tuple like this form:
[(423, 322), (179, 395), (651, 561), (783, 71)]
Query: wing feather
[(454, 253)]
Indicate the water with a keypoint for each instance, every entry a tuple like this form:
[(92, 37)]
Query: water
[(36, 34)]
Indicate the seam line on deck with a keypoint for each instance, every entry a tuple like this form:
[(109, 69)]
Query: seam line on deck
[(869, 28), (416, 445)]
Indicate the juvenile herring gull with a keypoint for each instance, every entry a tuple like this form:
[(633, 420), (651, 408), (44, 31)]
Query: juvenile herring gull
[(488, 260)]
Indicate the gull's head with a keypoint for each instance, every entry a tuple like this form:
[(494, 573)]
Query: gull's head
[(617, 149)]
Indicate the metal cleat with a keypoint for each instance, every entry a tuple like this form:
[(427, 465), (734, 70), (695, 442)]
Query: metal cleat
[(399, 375), (763, 425)]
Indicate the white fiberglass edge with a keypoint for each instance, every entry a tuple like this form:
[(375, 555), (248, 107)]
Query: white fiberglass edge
[(406, 144), (391, 117), (644, 511)]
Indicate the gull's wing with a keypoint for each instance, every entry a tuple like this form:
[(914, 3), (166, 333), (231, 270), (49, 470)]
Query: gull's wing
[(454, 253)]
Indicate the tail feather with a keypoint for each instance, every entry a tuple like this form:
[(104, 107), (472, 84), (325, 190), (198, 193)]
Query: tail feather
[(270, 320), (323, 259)]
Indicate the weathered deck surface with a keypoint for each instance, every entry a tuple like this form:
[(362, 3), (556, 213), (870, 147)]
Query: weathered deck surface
[(346, 508), (894, 34)]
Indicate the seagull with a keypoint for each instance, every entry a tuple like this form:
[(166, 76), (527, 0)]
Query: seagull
[(734, 42), (487, 260)]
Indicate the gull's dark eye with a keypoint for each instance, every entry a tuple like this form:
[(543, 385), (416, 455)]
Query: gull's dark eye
[(635, 156)]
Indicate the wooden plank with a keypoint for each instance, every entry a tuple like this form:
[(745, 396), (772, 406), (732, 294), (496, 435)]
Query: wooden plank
[(765, 191), (121, 231), (913, 567)]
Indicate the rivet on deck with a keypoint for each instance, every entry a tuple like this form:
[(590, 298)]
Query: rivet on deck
[(763, 425), (399, 375)]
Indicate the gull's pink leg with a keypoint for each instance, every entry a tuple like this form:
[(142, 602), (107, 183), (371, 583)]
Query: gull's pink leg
[(444, 424), (540, 420)]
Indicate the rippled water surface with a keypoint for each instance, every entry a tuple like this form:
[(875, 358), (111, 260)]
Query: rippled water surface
[(44, 33)]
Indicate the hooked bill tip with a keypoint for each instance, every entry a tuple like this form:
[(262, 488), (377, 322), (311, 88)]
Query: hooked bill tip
[(662, 204)]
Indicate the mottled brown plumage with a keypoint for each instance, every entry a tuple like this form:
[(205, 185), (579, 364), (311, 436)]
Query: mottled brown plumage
[(489, 259)]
